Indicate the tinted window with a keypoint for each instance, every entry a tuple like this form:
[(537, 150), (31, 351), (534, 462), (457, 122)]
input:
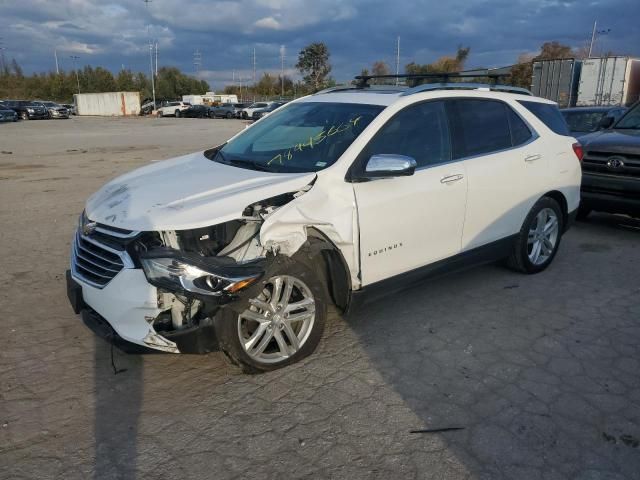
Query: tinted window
[(549, 114), (520, 133), (480, 126), (631, 120), (419, 131)]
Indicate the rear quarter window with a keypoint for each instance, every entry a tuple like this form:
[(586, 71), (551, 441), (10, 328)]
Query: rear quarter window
[(549, 114)]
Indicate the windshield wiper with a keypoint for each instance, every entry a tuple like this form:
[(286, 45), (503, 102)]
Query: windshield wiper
[(249, 163)]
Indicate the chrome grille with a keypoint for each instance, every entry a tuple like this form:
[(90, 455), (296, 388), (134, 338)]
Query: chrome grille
[(598, 162), (95, 262)]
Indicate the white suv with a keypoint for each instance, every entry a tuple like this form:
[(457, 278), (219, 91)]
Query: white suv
[(172, 109), (334, 196), (248, 111)]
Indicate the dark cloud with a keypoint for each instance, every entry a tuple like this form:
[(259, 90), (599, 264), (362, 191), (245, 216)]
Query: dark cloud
[(358, 32)]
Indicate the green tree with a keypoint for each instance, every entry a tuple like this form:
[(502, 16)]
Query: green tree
[(313, 64)]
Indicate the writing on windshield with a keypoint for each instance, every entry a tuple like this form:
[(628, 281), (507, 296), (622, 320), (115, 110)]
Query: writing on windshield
[(324, 134)]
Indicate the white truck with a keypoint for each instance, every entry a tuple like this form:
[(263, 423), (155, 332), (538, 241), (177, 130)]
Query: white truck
[(609, 81)]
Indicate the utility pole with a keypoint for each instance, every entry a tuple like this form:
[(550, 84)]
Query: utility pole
[(281, 71), (398, 60), (197, 60), (254, 74), (55, 55), (156, 58), (75, 67), (3, 64), (153, 79), (593, 37)]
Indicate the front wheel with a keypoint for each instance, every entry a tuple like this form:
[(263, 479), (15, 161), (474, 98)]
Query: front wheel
[(279, 325), (229, 115), (24, 116), (177, 113), (539, 238)]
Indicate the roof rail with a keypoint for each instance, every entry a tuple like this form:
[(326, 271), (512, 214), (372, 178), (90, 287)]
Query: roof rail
[(465, 86), (443, 76)]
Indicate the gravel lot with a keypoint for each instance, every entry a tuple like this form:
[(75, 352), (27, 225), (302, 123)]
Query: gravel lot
[(543, 372)]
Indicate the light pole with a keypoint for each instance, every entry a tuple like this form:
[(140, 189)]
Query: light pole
[(594, 36), (153, 82), (75, 67)]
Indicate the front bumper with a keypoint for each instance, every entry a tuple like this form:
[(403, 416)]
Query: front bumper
[(37, 116), (610, 193), (123, 311)]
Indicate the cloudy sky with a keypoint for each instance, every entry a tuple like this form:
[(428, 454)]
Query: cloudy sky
[(358, 32)]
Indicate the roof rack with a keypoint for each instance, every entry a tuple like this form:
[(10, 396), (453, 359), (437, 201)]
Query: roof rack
[(442, 76), (466, 86)]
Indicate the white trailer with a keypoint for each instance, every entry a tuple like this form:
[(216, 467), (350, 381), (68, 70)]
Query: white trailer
[(193, 99), (609, 81), (108, 104)]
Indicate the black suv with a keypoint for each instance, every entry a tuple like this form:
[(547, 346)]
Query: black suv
[(611, 167), (28, 110)]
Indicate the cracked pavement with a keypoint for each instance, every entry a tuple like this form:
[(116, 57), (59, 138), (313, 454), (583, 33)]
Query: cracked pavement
[(542, 372)]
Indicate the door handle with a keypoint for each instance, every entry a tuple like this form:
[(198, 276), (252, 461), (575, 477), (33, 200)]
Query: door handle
[(451, 178), (532, 158)]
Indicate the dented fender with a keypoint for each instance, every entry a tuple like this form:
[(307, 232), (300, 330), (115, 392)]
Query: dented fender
[(285, 230)]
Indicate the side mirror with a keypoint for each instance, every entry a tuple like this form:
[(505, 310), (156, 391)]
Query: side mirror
[(389, 165), (605, 123)]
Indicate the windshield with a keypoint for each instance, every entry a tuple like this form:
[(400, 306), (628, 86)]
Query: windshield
[(302, 137), (631, 120), (586, 121)]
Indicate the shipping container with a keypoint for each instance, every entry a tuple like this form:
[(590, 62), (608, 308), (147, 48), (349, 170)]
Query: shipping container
[(108, 104), (609, 81), (556, 80)]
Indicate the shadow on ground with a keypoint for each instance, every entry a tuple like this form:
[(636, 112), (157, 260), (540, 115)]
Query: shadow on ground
[(544, 378)]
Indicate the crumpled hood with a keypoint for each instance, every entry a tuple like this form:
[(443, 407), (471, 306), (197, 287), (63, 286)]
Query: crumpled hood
[(186, 192)]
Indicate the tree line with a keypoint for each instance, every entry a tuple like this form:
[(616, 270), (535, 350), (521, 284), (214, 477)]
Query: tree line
[(169, 83)]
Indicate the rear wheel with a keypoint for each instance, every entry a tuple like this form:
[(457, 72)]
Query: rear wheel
[(539, 237), (24, 116), (279, 325), (160, 114), (229, 115)]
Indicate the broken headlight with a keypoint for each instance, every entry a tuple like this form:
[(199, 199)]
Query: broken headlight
[(200, 275)]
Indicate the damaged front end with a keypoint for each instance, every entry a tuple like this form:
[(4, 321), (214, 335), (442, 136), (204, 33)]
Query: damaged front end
[(197, 272)]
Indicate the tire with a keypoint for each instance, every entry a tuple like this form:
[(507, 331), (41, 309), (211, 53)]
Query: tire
[(583, 213), (229, 115), (24, 116), (236, 324), (538, 234), (177, 113), (160, 114)]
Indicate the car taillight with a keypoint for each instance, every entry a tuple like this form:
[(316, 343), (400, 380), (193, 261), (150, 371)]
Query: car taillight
[(578, 150)]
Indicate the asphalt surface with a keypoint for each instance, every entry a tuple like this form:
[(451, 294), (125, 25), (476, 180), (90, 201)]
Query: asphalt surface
[(542, 373)]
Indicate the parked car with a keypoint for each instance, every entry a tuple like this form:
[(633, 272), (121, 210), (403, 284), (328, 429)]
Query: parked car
[(334, 197), (28, 110), (71, 107), (196, 111), (226, 110), (262, 112), (7, 114), (55, 109), (172, 109), (248, 111), (584, 120), (611, 167), (240, 107)]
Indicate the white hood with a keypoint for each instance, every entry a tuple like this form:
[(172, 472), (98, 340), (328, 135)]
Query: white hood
[(186, 192)]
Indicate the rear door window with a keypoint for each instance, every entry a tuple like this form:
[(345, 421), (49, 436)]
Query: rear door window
[(520, 132), (549, 114), (479, 127)]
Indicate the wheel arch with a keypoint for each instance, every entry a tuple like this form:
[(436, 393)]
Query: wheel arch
[(336, 271), (562, 201)]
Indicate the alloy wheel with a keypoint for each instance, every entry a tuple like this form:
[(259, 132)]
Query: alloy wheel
[(278, 321), (543, 236)]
